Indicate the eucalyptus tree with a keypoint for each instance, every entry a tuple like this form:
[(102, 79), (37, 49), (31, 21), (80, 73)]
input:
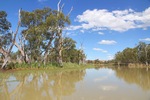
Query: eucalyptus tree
[(138, 54), (42, 27), (7, 38), (5, 35), (62, 22), (144, 52), (130, 55), (39, 31), (69, 52), (31, 38), (119, 57)]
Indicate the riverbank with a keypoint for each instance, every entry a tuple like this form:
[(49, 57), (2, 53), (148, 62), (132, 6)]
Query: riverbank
[(66, 66), (50, 66)]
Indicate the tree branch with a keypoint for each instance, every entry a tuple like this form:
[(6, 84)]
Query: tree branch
[(70, 11), (61, 9), (15, 34), (16, 44), (4, 52), (58, 6)]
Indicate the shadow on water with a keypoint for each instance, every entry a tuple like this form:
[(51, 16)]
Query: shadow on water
[(39, 85)]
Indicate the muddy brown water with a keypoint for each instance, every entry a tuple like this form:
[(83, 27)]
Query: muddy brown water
[(89, 84)]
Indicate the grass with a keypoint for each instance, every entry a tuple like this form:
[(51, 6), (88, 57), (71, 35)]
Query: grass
[(49, 66)]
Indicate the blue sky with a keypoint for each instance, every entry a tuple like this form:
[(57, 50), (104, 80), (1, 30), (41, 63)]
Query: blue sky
[(104, 27)]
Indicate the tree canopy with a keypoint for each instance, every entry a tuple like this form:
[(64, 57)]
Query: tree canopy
[(138, 54), (41, 38)]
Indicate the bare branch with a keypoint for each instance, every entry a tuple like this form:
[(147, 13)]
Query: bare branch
[(22, 52), (58, 6), (19, 16), (61, 9), (70, 11), (15, 34)]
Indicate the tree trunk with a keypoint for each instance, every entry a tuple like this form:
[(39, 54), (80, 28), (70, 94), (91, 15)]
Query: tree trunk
[(59, 37), (59, 48), (48, 47), (25, 56), (60, 58), (4, 63), (6, 59)]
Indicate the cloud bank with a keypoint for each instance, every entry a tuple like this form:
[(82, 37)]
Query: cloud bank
[(117, 20)]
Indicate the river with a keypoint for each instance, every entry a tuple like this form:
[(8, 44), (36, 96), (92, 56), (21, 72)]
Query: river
[(89, 84)]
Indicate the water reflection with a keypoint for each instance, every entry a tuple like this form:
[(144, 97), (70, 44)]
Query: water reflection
[(39, 85), (89, 84), (137, 76)]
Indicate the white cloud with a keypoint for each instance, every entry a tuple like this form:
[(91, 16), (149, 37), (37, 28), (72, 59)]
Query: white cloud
[(100, 33), (108, 42), (82, 31), (146, 39), (117, 20), (99, 49), (72, 28), (42, 0)]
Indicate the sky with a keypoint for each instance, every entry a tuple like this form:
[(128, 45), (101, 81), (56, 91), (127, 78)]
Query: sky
[(102, 27)]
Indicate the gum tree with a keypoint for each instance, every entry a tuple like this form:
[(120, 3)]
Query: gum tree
[(7, 38)]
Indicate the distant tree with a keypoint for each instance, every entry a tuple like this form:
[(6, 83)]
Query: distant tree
[(144, 52), (138, 54)]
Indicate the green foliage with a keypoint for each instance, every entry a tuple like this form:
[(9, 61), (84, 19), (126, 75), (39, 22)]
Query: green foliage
[(70, 54), (41, 32), (138, 54), (52, 66), (4, 24), (5, 35), (41, 26), (144, 52)]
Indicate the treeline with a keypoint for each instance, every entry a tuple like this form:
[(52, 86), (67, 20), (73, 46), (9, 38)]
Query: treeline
[(40, 38), (98, 62), (137, 55)]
